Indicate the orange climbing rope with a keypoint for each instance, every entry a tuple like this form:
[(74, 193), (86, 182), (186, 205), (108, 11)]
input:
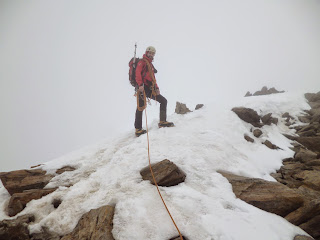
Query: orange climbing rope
[(155, 182)]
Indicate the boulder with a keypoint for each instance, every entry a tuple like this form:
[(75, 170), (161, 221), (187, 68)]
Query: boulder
[(268, 119), (18, 181), (302, 237), (270, 145), (309, 178), (257, 133), (269, 196), (165, 172), (312, 143), (181, 108), (18, 201), (304, 155), (248, 115), (65, 169), (96, 224), (199, 106), (312, 227), (16, 229), (249, 139)]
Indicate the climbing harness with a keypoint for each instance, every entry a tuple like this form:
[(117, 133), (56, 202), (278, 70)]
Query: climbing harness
[(155, 182)]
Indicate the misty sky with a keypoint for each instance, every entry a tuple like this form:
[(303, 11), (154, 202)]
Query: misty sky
[(64, 64)]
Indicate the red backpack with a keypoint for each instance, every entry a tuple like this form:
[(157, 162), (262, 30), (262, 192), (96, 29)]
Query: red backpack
[(132, 71)]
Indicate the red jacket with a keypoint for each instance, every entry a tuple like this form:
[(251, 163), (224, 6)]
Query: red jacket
[(142, 72)]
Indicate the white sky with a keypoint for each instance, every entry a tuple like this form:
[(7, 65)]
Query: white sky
[(64, 64)]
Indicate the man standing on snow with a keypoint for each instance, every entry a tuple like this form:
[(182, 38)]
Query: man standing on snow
[(146, 81)]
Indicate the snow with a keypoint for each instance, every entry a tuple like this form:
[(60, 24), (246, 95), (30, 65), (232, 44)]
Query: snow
[(204, 206)]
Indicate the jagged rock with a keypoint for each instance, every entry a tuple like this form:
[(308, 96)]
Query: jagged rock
[(315, 105), (301, 237), (18, 181), (266, 91), (312, 143), (309, 210), (65, 169), (199, 106), (270, 145), (304, 155), (249, 139), (257, 133), (248, 94), (248, 115), (309, 178), (267, 119), (18, 201), (312, 227), (287, 115), (165, 172), (269, 196), (16, 229), (96, 224), (181, 108), (312, 97)]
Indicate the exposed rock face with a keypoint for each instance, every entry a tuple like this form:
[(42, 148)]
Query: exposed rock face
[(16, 229), (264, 91), (96, 224), (268, 119), (18, 201), (181, 108), (269, 196), (199, 106), (18, 181), (248, 115), (26, 185), (165, 172)]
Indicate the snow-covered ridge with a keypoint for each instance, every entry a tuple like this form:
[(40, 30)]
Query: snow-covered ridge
[(204, 206)]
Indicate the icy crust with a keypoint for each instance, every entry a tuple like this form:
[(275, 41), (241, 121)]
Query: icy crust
[(204, 206)]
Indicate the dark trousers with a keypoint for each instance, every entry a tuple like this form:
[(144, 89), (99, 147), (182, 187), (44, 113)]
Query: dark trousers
[(159, 98)]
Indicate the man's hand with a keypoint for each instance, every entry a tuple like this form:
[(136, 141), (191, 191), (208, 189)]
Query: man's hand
[(141, 88), (158, 91)]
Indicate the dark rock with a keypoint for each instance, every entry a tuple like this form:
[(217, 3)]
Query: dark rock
[(181, 108), (304, 119), (65, 169), (16, 229), (269, 196), (312, 143), (309, 178), (266, 91), (257, 133), (18, 181), (304, 155), (270, 145), (249, 139), (268, 119), (248, 115), (18, 201), (199, 106), (312, 227), (248, 94), (56, 203), (165, 172), (96, 224)]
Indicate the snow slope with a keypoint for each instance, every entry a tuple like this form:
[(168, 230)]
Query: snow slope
[(204, 206)]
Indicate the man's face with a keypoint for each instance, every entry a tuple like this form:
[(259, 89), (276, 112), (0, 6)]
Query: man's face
[(151, 55)]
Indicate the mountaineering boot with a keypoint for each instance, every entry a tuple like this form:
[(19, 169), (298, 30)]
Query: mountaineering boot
[(140, 131), (165, 124)]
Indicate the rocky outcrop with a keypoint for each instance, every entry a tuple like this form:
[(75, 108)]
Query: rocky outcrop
[(270, 145), (18, 201), (264, 91), (248, 115), (181, 108), (268, 119), (198, 106), (16, 229), (96, 224), (249, 139), (269, 196), (27, 185), (165, 172), (257, 133)]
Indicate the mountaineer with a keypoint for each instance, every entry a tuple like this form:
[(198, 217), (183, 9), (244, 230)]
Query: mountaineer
[(146, 84)]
